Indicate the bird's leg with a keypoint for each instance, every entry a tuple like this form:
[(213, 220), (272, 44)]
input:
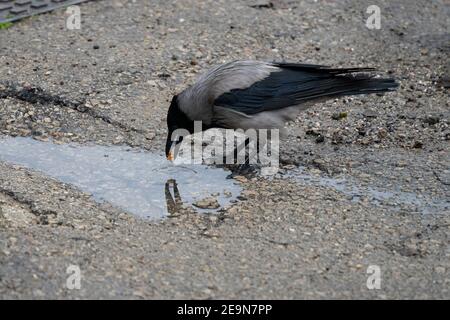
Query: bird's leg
[(249, 167)]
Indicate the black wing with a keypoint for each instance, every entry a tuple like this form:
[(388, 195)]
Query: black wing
[(298, 83)]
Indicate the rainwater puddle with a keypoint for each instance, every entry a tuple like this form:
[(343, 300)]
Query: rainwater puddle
[(137, 181), (396, 199)]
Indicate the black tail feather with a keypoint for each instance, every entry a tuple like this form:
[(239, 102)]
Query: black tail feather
[(320, 68), (358, 85)]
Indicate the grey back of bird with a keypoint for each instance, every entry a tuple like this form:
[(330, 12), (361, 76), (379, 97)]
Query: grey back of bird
[(197, 101)]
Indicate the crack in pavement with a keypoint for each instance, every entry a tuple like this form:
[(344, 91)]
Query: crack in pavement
[(24, 202), (42, 213), (36, 95)]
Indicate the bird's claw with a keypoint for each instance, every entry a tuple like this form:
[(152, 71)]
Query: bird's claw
[(247, 170)]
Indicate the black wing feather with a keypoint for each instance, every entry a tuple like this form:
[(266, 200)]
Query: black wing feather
[(298, 83)]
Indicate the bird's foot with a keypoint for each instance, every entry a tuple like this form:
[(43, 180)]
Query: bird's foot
[(246, 170)]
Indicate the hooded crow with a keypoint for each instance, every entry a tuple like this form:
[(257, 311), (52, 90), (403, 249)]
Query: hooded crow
[(263, 95)]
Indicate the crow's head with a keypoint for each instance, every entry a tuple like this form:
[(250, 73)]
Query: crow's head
[(178, 125)]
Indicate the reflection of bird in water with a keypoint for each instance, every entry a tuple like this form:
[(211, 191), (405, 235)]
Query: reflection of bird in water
[(173, 203)]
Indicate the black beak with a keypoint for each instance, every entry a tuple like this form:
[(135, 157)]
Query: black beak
[(169, 150), (171, 146)]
